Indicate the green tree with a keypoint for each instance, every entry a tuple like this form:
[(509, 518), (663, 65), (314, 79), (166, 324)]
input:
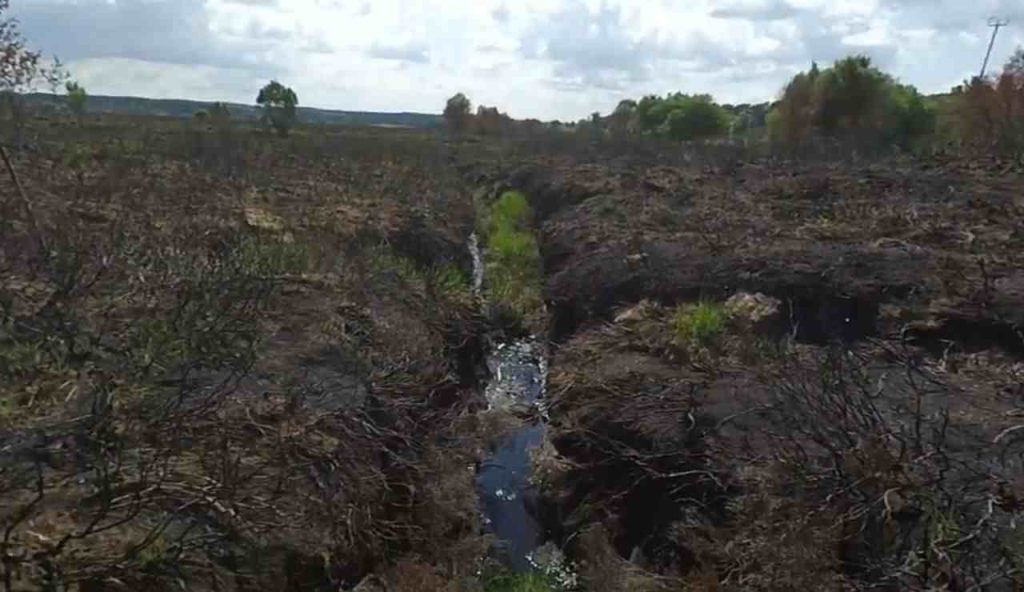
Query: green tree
[(852, 99), (458, 113), (695, 118), (652, 112), (909, 117), (77, 99), (677, 116), (851, 95), (279, 106)]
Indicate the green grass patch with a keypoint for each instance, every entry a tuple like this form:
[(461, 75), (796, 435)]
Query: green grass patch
[(270, 257), (528, 582), (511, 211), (450, 281), (513, 277), (699, 324)]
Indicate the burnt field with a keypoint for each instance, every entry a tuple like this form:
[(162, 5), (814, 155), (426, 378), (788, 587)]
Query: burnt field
[(232, 361), (776, 375)]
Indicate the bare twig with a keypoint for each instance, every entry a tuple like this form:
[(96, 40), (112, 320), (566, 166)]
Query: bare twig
[(25, 203)]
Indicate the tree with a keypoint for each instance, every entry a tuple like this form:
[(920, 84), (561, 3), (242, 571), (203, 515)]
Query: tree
[(76, 98), (1015, 65), (851, 95), (490, 121), (852, 99), (458, 113), (623, 121), (20, 68), (792, 118), (677, 116), (695, 118), (278, 103), (988, 115)]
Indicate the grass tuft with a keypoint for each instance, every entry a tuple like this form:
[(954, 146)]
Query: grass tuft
[(513, 257), (699, 324), (528, 582)]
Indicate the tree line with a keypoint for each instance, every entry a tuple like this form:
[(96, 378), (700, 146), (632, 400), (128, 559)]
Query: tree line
[(852, 101)]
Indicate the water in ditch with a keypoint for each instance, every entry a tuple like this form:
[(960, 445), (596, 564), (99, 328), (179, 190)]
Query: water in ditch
[(518, 374)]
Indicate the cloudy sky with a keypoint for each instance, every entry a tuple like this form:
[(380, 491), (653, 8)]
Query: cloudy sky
[(533, 58)]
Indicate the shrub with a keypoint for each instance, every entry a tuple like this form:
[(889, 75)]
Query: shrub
[(988, 115), (699, 324), (696, 118), (850, 100), (678, 116)]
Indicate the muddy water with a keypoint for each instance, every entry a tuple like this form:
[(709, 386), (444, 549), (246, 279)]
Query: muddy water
[(518, 372)]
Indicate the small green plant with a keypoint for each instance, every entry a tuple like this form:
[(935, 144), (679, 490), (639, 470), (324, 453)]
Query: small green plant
[(450, 280), (384, 260), (271, 257), (528, 582), (77, 98), (699, 324)]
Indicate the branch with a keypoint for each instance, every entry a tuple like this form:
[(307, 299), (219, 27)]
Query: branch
[(25, 203)]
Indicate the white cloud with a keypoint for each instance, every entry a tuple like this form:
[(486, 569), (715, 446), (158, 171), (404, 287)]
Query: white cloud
[(533, 58)]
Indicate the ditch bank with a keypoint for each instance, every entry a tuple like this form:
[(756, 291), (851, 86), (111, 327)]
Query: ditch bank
[(673, 455)]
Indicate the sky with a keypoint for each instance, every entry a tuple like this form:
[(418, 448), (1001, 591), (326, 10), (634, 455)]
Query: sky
[(545, 59)]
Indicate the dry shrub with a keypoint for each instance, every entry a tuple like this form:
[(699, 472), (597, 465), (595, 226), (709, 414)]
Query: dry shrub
[(602, 569), (989, 115), (914, 497)]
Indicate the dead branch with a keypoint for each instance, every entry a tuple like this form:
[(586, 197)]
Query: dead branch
[(26, 205)]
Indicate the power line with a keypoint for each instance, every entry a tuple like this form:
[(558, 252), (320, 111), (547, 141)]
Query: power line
[(996, 24)]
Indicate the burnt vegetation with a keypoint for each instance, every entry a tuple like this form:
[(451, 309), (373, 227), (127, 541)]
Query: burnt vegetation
[(786, 341)]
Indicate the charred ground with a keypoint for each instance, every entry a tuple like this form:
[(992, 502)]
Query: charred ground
[(237, 362)]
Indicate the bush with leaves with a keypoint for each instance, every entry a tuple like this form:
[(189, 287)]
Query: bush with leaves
[(851, 100), (676, 116)]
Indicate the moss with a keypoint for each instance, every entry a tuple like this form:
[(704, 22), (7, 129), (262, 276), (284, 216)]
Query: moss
[(699, 324)]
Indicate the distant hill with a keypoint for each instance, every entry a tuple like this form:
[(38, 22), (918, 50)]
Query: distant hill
[(185, 108)]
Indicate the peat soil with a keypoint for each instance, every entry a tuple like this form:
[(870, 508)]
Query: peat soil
[(230, 361), (853, 425)]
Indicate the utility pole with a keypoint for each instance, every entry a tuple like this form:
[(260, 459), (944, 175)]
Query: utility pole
[(996, 24)]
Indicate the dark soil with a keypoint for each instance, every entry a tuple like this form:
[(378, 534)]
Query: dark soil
[(230, 361), (753, 462)]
